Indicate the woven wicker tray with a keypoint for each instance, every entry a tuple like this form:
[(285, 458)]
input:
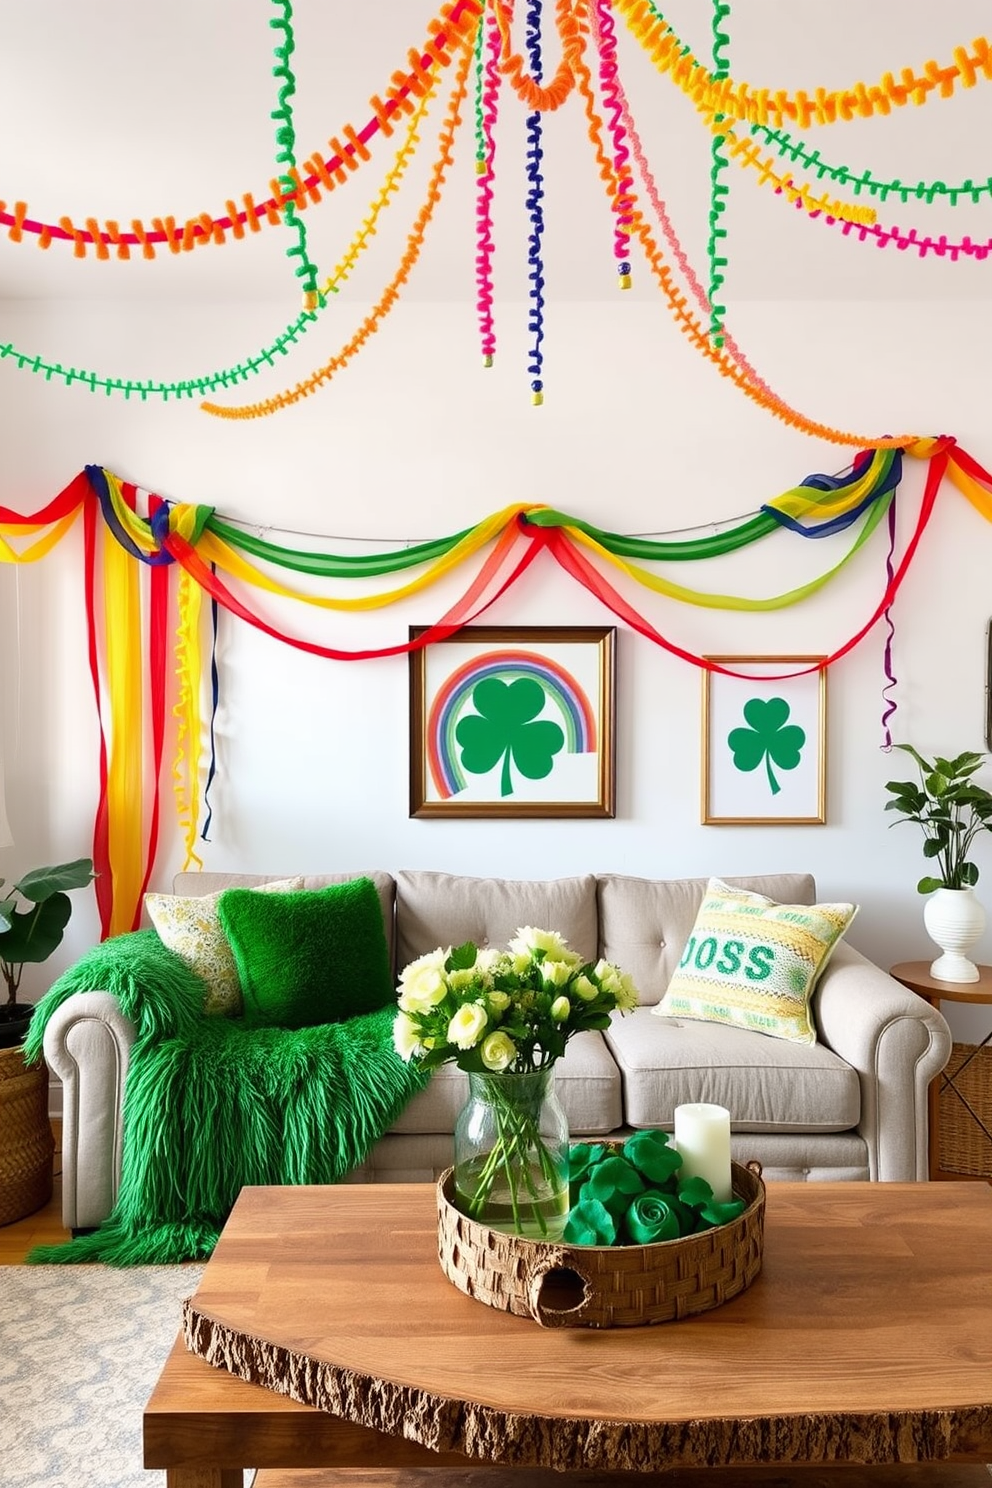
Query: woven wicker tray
[(604, 1286)]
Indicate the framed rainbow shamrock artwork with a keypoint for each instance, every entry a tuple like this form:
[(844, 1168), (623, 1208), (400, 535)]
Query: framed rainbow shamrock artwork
[(764, 741), (514, 722)]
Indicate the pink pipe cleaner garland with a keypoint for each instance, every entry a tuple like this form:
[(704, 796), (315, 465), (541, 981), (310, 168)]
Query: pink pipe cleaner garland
[(885, 236), (606, 46), (484, 197)]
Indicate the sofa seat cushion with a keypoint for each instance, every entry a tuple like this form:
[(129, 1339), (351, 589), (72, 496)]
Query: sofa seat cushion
[(767, 1085), (644, 923), (587, 1082), (448, 909)]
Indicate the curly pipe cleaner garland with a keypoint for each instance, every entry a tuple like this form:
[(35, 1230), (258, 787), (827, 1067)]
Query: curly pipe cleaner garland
[(606, 39), (289, 178), (391, 293), (242, 371), (716, 245), (745, 153), (535, 198), (687, 323), (926, 192), (762, 105), (569, 15), (445, 33), (486, 172), (887, 237)]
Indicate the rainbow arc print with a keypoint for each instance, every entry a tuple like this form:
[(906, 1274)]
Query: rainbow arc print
[(460, 731)]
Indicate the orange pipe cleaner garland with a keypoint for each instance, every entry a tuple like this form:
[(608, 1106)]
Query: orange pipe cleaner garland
[(391, 293), (457, 19)]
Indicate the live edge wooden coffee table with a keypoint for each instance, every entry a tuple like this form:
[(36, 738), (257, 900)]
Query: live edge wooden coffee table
[(867, 1338)]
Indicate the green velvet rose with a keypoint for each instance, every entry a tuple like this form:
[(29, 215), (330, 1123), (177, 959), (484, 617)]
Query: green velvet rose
[(651, 1217)]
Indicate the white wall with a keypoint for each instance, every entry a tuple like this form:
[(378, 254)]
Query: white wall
[(415, 439)]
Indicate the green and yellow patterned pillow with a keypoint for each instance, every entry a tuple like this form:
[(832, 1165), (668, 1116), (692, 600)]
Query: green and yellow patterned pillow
[(191, 927), (753, 963)]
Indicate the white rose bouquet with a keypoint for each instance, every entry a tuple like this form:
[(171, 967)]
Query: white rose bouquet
[(505, 1018), (509, 1011)]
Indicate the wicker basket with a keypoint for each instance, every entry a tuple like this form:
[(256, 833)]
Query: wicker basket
[(962, 1146), (604, 1286), (26, 1141)]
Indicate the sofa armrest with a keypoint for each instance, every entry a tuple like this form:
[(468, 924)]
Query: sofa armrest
[(898, 1044), (87, 1044)]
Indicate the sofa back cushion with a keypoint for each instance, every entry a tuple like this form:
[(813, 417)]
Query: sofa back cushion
[(447, 909), (214, 883), (644, 923)]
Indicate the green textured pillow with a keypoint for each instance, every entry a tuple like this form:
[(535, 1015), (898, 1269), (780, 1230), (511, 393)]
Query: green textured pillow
[(753, 963), (315, 956)]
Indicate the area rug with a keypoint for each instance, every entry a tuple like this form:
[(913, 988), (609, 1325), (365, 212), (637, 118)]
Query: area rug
[(80, 1350)]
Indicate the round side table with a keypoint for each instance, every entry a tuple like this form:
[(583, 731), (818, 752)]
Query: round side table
[(959, 1105)]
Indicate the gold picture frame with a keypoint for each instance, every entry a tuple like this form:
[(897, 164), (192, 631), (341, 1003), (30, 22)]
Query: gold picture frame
[(764, 756), (538, 740)]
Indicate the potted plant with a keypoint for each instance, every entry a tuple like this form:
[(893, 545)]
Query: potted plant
[(952, 809), (29, 934), (32, 934)]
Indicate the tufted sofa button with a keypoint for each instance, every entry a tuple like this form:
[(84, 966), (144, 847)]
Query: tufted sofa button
[(484, 941)]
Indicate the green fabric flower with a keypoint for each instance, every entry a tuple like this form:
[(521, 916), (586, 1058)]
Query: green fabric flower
[(715, 1214), (652, 1155), (614, 1182), (651, 1217), (590, 1223)]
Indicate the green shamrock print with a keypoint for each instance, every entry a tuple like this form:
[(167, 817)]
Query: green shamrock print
[(506, 726), (769, 738)]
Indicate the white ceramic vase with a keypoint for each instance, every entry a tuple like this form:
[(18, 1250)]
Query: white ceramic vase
[(954, 920)]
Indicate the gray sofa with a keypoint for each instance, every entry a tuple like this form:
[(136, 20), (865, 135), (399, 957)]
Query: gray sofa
[(851, 1106)]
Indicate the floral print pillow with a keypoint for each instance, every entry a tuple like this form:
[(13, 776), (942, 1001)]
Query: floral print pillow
[(191, 927)]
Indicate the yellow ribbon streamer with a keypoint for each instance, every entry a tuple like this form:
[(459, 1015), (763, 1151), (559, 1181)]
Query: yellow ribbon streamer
[(38, 549), (186, 765)]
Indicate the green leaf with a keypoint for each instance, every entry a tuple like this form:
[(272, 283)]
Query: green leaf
[(462, 958), (33, 934), (931, 847), (927, 885), (968, 874), (41, 883)]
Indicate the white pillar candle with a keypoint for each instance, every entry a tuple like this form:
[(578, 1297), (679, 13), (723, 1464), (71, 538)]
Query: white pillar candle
[(702, 1136)]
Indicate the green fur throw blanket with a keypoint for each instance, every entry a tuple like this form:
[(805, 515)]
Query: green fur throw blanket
[(210, 1105)]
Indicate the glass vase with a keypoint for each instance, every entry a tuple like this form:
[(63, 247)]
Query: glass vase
[(511, 1155)]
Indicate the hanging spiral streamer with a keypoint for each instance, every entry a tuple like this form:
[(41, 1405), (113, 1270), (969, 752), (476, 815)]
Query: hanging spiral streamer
[(485, 164), (605, 36), (718, 190), (535, 196), (289, 180)]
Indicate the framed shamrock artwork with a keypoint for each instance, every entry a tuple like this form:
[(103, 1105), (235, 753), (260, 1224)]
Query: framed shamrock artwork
[(764, 741), (513, 722)]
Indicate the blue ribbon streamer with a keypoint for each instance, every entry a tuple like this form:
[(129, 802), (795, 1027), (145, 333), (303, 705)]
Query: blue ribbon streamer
[(833, 525)]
